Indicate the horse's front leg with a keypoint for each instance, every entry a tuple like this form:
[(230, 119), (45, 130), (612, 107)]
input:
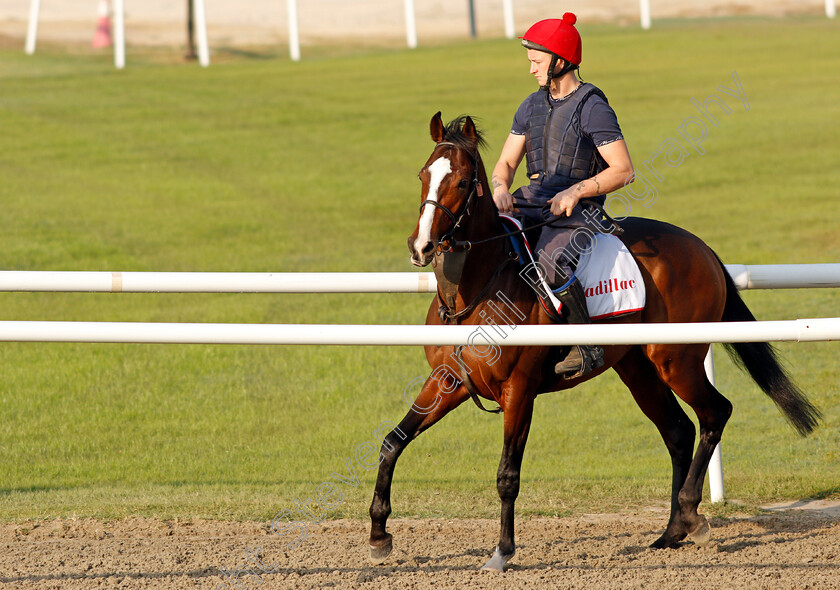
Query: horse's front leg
[(518, 413), (432, 404)]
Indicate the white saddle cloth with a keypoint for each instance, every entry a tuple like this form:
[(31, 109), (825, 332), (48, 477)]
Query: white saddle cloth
[(611, 279)]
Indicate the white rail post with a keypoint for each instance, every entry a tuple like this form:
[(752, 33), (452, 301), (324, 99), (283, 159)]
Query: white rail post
[(119, 34), (644, 10), (294, 31), (510, 29), (32, 29), (201, 32), (410, 25), (715, 464), (830, 8)]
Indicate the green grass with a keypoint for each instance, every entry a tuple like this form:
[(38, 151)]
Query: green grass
[(266, 165)]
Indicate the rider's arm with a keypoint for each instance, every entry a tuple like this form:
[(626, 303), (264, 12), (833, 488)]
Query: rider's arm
[(618, 173), (505, 170)]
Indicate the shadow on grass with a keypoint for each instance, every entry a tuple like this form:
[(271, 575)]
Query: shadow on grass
[(240, 53)]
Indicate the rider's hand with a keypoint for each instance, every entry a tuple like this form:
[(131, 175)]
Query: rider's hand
[(503, 200), (563, 203)]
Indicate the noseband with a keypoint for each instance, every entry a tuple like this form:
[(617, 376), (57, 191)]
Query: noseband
[(446, 243)]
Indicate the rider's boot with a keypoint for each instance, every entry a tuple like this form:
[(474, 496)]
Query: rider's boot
[(582, 359)]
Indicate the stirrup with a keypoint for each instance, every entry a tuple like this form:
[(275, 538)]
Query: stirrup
[(580, 361)]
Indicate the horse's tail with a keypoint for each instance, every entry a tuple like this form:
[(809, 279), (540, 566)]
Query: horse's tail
[(761, 362)]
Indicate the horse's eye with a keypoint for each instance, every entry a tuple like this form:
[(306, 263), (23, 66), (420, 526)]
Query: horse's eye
[(464, 184)]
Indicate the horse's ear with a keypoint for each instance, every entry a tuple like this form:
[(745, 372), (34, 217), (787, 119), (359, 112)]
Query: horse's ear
[(436, 127), (469, 129)]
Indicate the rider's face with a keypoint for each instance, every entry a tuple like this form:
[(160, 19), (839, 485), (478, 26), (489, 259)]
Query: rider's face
[(540, 61)]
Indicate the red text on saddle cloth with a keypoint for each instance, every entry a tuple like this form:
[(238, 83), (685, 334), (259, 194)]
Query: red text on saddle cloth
[(609, 286)]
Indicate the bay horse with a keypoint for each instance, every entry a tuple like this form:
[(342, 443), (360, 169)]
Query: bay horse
[(685, 282)]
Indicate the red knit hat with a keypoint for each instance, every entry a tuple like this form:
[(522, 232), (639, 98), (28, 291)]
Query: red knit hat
[(555, 35)]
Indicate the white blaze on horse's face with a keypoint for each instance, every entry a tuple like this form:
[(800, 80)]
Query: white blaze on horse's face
[(437, 172)]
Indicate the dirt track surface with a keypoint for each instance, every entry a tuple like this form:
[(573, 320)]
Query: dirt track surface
[(780, 550)]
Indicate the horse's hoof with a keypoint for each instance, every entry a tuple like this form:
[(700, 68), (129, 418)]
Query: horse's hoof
[(664, 542), (667, 541), (379, 553), (702, 534), (497, 562)]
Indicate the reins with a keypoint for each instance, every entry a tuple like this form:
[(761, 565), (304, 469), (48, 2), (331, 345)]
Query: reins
[(467, 244), (447, 244)]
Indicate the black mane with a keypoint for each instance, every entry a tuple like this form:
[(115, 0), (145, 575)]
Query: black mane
[(454, 133)]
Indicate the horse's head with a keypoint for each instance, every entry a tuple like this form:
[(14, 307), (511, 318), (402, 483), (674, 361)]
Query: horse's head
[(451, 184)]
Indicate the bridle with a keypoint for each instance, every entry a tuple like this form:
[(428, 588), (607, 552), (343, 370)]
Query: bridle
[(446, 243)]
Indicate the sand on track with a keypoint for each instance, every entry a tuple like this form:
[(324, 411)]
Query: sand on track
[(775, 550)]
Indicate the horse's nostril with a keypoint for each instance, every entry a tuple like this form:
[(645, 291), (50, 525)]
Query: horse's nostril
[(428, 248)]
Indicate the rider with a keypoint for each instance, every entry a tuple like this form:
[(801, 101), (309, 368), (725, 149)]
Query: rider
[(575, 150)]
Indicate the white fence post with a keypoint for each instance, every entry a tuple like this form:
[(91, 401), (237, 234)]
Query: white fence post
[(410, 24), (119, 34), (644, 11), (830, 8), (32, 29), (294, 33), (201, 32), (510, 28), (715, 471)]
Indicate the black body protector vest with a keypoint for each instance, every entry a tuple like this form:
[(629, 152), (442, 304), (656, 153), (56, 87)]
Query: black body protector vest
[(558, 152)]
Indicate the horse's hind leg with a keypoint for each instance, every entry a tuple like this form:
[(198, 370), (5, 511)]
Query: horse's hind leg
[(430, 406), (659, 404), (681, 367)]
